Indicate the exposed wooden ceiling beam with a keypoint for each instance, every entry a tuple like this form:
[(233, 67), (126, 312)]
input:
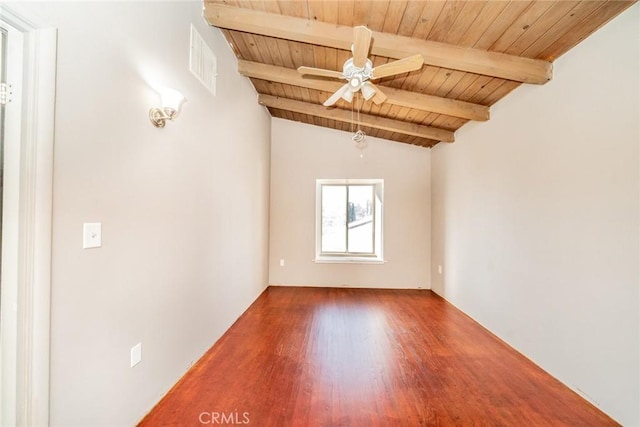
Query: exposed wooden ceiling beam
[(404, 98), (477, 61), (384, 123)]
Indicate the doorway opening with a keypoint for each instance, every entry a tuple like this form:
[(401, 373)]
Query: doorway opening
[(27, 95), (3, 78)]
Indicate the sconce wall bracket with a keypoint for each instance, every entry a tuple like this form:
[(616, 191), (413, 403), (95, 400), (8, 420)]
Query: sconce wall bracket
[(159, 116)]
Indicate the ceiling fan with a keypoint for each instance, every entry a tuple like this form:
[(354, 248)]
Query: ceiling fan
[(359, 70)]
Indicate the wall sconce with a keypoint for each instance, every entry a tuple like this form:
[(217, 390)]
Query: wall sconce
[(170, 99)]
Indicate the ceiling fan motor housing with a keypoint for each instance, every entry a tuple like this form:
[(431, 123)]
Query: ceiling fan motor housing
[(356, 76)]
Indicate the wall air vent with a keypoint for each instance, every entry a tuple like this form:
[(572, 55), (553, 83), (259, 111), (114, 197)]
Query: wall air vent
[(202, 62)]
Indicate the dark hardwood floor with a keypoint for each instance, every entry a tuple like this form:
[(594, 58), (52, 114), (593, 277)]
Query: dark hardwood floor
[(362, 357)]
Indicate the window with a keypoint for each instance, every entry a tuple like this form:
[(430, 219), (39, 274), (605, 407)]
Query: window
[(349, 220)]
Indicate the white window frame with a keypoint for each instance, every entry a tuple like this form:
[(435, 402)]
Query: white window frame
[(377, 256)]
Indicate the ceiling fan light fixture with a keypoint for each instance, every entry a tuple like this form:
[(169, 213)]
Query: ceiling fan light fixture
[(354, 83), (367, 91), (348, 95)]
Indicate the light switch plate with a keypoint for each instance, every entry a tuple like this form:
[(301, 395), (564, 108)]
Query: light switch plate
[(136, 354), (91, 235)]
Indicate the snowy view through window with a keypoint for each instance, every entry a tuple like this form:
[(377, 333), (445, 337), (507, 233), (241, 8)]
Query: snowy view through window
[(348, 219)]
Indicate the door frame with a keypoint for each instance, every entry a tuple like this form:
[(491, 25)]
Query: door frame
[(26, 274)]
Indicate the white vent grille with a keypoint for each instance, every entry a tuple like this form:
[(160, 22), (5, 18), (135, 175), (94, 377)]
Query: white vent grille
[(202, 62)]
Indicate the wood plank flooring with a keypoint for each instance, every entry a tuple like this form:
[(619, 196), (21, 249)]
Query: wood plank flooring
[(363, 357)]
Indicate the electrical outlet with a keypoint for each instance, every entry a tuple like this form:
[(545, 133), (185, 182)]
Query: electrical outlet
[(136, 354), (282, 263)]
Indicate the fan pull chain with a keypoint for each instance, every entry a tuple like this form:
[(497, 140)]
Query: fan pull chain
[(359, 106), (352, 121), (359, 137)]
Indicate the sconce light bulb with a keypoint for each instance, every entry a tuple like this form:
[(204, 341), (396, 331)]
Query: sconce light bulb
[(170, 98)]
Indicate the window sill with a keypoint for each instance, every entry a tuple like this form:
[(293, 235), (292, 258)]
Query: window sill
[(349, 260)]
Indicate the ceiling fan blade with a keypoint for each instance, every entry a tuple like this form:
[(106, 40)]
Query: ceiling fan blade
[(379, 96), (398, 67), (320, 72), (361, 42), (336, 96)]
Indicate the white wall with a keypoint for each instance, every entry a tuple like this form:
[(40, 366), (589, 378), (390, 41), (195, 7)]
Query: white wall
[(184, 209), (300, 154), (536, 219)]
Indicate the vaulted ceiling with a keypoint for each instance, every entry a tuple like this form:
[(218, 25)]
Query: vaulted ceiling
[(475, 53)]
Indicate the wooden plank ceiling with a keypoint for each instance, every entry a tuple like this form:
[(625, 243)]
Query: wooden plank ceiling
[(475, 53)]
